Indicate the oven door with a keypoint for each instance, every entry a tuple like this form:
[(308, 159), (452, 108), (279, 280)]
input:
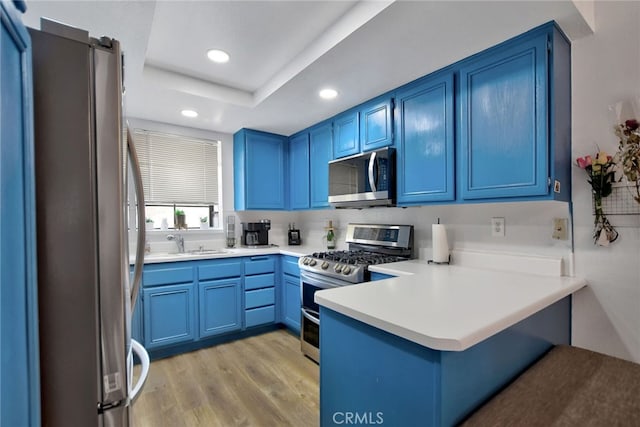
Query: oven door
[(310, 283)]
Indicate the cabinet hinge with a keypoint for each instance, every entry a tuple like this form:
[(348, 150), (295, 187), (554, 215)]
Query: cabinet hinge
[(548, 182)]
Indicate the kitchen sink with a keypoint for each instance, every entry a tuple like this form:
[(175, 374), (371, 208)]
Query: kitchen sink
[(205, 252)]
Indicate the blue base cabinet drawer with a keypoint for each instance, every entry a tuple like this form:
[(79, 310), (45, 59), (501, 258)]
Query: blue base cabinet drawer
[(259, 316), (290, 266), (259, 265), (166, 274), (259, 298), (259, 281), (219, 269), (169, 315), (220, 306)]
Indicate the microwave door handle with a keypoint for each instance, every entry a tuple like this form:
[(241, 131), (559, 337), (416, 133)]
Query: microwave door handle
[(372, 180)]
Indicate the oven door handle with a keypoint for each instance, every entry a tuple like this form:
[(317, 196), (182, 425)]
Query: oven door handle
[(319, 281), (311, 315)]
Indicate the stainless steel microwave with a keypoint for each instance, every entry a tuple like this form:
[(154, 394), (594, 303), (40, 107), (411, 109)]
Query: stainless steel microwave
[(362, 180)]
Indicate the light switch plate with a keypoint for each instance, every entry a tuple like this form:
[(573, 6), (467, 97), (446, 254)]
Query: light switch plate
[(497, 226)]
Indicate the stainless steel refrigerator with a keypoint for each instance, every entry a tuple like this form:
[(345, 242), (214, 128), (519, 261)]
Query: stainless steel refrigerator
[(85, 289)]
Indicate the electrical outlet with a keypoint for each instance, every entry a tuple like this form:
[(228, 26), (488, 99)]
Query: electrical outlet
[(560, 226), (497, 226)]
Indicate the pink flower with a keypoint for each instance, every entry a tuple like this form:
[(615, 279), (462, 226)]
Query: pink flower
[(583, 162)]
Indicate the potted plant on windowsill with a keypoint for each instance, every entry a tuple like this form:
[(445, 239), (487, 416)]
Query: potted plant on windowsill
[(149, 225), (204, 223), (180, 219)]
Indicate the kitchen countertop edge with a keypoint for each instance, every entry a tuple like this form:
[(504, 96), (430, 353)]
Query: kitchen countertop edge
[(391, 303)]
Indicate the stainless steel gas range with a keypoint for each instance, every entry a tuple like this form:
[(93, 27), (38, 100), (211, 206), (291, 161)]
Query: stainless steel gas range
[(369, 244)]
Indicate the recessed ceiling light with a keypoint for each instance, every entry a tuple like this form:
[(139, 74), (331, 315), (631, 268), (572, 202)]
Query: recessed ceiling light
[(189, 113), (217, 55), (328, 93)]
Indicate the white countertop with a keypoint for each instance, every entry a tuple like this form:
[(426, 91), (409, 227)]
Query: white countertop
[(298, 251), (446, 307)]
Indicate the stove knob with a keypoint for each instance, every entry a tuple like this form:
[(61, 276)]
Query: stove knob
[(312, 262), (305, 261), (325, 265), (337, 268), (346, 269)]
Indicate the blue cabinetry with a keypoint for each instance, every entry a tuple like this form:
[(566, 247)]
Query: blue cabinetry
[(169, 315), (19, 366), (219, 303), (299, 171), (380, 276), (259, 170), (291, 293), (376, 124), (259, 290), (346, 139), (514, 133), (425, 141), (320, 143)]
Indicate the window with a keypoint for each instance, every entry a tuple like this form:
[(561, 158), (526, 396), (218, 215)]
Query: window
[(179, 173)]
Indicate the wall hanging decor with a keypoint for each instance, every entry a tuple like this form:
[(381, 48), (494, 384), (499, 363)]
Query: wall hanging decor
[(601, 171)]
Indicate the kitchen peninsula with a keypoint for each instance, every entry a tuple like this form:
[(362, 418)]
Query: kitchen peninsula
[(431, 345)]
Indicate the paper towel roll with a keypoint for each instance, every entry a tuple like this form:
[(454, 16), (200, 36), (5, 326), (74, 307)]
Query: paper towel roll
[(439, 243)]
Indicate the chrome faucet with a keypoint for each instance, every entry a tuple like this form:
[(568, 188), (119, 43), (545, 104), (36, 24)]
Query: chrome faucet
[(179, 241)]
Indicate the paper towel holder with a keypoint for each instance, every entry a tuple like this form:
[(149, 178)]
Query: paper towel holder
[(448, 261), (441, 262)]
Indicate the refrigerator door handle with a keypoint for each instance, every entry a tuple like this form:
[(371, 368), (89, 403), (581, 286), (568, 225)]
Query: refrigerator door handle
[(142, 354), (137, 178)]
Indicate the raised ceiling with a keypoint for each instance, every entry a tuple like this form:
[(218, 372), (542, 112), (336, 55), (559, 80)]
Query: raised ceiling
[(283, 52)]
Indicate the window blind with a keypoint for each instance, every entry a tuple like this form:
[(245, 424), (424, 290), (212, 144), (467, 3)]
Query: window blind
[(177, 169)]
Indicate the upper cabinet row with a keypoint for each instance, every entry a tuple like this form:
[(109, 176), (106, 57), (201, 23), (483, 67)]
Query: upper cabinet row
[(492, 127)]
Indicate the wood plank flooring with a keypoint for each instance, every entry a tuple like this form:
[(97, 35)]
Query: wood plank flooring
[(262, 380)]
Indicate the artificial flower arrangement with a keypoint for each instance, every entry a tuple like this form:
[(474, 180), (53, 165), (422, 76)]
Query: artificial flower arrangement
[(601, 170), (629, 153)]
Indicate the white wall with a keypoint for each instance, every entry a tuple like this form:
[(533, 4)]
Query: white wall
[(606, 69)]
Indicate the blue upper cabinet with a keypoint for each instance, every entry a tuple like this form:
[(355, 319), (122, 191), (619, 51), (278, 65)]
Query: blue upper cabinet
[(376, 124), (19, 367), (321, 148), (513, 141), (345, 135), (259, 170), (299, 171), (425, 141)]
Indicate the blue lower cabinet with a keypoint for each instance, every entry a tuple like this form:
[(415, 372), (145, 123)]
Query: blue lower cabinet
[(291, 302), (219, 302), (169, 315), (380, 276), (259, 316)]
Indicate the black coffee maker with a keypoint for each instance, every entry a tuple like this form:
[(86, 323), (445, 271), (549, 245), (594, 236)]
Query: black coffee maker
[(256, 233)]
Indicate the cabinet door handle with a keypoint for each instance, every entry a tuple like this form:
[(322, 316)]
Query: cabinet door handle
[(259, 258)]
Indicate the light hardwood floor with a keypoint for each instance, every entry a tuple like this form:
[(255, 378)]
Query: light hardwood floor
[(262, 380)]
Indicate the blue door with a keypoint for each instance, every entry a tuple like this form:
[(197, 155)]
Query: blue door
[(503, 122), (19, 370), (425, 141), (320, 146), (299, 171), (345, 135), (220, 309), (376, 130), (169, 315)]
